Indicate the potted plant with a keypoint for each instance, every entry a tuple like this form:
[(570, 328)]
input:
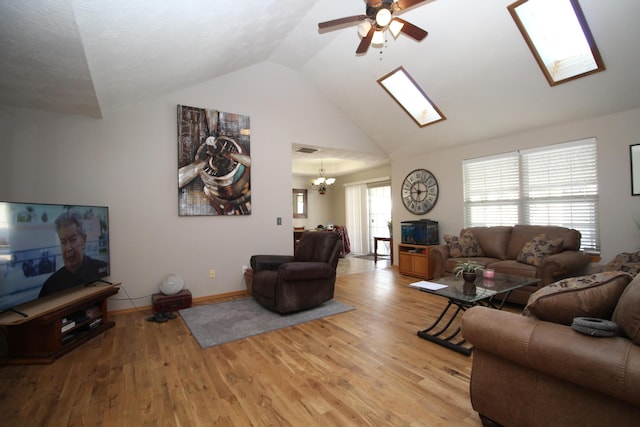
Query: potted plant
[(468, 270)]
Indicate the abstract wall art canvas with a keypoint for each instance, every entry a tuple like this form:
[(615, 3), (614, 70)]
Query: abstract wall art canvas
[(214, 162)]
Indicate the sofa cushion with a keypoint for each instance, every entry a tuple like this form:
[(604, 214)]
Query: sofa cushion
[(464, 246), (626, 261), (536, 249), (627, 312), (595, 295), (514, 268), (493, 240), (521, 234)]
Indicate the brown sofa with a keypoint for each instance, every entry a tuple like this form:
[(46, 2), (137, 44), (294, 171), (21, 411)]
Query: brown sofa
[(532, 372), (500, 246)]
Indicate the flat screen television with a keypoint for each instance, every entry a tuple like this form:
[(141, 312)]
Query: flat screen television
[(47, 248)]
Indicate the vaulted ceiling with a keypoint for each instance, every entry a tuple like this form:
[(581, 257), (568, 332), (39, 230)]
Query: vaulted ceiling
[(87, 57)]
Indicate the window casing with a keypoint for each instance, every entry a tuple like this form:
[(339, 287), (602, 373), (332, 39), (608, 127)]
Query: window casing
[(559, 37), (408, 94), (552, 185)]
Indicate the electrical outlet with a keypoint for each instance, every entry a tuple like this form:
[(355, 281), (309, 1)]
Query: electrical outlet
[(212, 273), (279, 220), (244, 269)]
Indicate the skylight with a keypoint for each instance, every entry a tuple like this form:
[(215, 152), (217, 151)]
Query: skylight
[(559, 38), (410, 96)]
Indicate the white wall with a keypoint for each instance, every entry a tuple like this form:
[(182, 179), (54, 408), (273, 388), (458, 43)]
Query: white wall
[(128, 161), (614, 134)]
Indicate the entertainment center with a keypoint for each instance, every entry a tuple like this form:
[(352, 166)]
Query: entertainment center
[(57, 324), (54, 261)]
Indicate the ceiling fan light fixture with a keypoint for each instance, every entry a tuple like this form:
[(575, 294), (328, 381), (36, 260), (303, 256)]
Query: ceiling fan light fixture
[(378, 17), (378, 38), (363, 28), (396, 27), (383, 17)]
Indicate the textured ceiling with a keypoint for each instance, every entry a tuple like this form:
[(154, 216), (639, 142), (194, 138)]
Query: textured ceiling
[(87, 57), (43, 60)]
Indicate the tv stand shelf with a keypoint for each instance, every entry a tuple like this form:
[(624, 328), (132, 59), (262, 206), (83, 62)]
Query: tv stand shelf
[(40, 338), (414, 260)]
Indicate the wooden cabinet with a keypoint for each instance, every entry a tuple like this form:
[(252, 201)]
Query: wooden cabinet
[(297, 233), (56, 324), (413, 260)]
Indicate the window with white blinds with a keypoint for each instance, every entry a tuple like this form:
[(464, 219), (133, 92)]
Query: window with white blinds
[(552, 185)]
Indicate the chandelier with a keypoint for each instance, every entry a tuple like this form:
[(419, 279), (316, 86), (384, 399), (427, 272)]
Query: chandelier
[(322, 182)]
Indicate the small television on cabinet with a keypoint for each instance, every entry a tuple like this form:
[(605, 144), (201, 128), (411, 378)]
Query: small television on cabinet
[(46, 248)]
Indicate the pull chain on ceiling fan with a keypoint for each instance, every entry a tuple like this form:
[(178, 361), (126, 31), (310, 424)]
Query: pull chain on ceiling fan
[(379, 16)]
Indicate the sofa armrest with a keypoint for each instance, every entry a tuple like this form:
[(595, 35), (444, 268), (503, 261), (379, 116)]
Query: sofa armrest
[(306, 271), (607, 365), (561, 265), (269, 262), (439, 255)]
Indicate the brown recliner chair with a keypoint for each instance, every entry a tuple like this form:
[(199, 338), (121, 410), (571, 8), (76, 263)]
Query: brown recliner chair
[(285, 283)]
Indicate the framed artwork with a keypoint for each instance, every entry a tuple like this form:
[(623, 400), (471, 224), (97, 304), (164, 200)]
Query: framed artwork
[(214, 162), (634, 153)]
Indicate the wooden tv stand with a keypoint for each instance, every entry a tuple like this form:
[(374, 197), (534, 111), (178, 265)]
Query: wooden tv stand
[(40, 338)]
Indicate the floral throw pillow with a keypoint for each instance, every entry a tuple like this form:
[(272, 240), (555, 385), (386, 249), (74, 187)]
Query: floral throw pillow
[(536, 249), (464, 246), (628, 262), (595, 295)]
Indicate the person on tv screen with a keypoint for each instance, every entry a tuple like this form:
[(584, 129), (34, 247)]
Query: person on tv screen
[(78, 268)]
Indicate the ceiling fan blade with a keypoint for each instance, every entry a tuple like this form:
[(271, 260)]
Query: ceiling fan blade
[(341, 21), (366, 41), (405, 4), (411, 30)]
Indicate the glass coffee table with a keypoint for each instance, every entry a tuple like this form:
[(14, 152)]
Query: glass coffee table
[(445, 331)]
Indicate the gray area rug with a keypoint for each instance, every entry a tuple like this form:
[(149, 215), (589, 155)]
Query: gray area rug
[(233, 320), (371, 258)]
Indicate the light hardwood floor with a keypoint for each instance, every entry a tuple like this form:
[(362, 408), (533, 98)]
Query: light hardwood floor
[(363, 367)]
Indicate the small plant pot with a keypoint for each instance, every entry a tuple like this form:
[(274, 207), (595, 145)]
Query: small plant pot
[(469, 277), (469, 287)]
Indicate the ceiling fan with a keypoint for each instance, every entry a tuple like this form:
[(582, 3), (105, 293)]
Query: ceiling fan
[(379, 15)]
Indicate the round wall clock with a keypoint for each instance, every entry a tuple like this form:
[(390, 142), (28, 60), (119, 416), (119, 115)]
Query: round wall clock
[(419, 191)]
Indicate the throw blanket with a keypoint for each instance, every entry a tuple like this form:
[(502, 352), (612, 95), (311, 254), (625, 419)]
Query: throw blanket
[(344, 236)]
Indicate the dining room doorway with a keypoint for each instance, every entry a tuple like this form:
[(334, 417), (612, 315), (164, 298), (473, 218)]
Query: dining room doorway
[(379, 214)]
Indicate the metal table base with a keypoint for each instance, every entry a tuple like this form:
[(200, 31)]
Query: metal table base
[(447, 332)]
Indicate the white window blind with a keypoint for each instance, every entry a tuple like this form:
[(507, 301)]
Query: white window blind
[(491, 190), (552, 185), (560, 187)]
